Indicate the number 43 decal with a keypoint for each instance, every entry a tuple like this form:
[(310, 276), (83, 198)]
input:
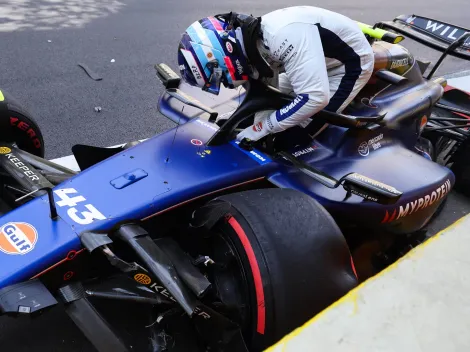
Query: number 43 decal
[(76, 211)]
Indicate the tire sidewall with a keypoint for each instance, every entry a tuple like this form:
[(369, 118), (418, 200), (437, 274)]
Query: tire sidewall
[(257, 341), (18, 126)]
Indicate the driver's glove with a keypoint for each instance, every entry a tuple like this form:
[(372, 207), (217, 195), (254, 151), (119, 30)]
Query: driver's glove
[(264, 124)]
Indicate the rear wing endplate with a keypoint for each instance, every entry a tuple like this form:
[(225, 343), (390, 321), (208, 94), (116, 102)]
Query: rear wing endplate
[(435, 34)]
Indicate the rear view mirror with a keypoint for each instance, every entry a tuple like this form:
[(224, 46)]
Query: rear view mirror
[(370, 189), (168, 77)]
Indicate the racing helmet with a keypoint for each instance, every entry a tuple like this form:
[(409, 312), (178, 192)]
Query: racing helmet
[(209, 54)]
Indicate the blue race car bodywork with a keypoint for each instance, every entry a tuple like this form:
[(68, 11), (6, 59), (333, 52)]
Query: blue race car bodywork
[(178, 166)]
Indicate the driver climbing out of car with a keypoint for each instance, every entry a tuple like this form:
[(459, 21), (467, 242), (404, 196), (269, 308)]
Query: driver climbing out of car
[(320, 57)]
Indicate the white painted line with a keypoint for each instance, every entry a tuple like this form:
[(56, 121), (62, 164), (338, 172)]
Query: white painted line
[(70, 162)]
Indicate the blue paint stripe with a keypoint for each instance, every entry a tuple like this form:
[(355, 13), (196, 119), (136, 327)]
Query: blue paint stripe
[(215, 41), (193, 34), (292, 108), (201, 57)]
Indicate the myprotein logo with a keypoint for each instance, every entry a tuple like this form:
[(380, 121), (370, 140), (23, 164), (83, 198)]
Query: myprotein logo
[(418, 204), (17, 238)]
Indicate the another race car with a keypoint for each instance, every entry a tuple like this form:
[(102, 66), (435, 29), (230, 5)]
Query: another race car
[(217, 244)]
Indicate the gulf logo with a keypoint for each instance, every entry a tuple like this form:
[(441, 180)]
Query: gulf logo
[(17, 238)]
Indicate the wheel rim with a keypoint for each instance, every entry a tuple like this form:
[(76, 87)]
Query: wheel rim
[(231, 281)]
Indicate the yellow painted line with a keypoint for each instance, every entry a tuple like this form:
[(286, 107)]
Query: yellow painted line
[(351, 296), (2, 98)]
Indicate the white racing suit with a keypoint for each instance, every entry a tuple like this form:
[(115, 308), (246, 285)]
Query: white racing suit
[(326, 61)]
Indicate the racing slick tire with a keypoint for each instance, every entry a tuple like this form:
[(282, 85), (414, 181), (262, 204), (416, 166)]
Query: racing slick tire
[(294, 257), (18, 126)]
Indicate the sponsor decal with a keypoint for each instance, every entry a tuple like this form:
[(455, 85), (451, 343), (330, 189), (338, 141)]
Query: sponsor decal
[(196, 142), (270, 123), (164, 292), (75, 210), (305, 151), (446, 32), (418, 204), (258, 127), (363, 195), (399, 63), (364, 147), (142, 279), (229, 47), (435, 26), (182, 68), (21, 166), (201, 313), (298, 99), (14, 122), (286, 53), (225, 114), (205, 124), (283, 44), (239, 66), (5, 150), (255, 155), (17, 238), (375, 183)]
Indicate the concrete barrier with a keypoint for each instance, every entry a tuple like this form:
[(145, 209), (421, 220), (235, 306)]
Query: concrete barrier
[(420, 303)]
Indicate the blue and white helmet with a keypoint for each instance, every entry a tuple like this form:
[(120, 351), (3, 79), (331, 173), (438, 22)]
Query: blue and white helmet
[(209, 53)]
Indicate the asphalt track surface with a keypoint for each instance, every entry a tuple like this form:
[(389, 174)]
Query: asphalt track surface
[(41, 43)]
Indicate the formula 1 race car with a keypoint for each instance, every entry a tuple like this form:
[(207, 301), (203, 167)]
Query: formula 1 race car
[(216, 244)]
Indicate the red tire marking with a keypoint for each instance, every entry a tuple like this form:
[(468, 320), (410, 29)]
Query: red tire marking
[(354, 268), (261, 324), (385, 219)]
